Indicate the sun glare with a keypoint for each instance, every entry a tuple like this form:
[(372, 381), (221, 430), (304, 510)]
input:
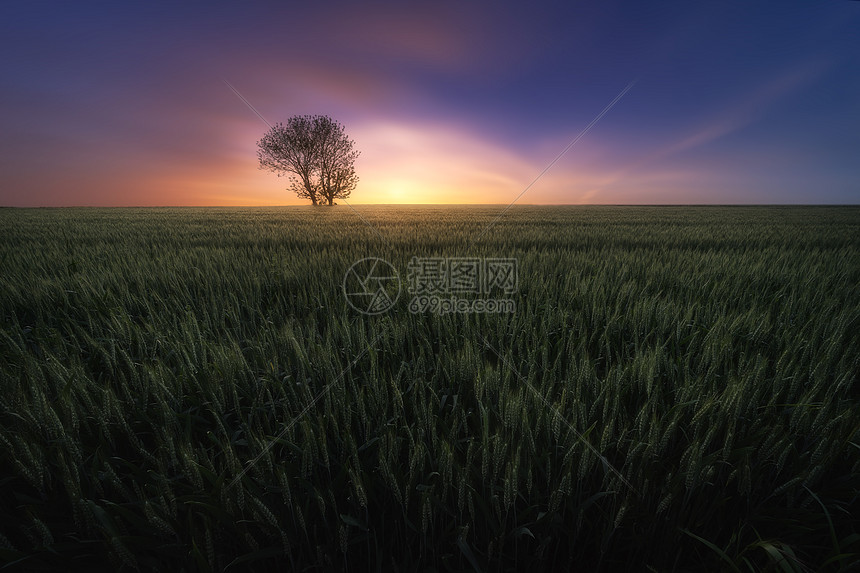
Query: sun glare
[(400, 191)]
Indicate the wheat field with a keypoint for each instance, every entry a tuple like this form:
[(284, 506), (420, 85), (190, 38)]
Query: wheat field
[(189, 389)]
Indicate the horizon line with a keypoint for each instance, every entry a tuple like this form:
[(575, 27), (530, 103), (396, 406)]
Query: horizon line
[(251, 206)]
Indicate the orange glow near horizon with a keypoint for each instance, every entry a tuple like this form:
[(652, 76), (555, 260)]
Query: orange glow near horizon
[(400, 163), (415, 160), (407, 162)]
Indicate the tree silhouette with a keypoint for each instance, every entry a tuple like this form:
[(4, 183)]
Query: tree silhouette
[(315, 153)]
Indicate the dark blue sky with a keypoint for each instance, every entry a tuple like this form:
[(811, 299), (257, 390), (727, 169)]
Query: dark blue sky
[(105, 103)]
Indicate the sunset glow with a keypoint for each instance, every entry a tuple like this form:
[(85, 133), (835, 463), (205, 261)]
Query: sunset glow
[(447, 104)]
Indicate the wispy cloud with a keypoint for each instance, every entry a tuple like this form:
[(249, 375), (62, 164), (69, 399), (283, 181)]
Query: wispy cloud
[(752, 106), (749, 108)]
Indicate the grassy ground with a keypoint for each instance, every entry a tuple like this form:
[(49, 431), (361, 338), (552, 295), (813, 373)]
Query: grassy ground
[(190, 389)]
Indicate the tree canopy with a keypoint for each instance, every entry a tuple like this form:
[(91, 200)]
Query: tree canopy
[(315, 153)]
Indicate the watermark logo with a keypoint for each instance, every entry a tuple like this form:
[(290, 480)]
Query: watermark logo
[(440, 285), (462, 285), (437, 275), (371, 285)]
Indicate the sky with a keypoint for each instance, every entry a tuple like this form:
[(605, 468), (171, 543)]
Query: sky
[(730, 102)]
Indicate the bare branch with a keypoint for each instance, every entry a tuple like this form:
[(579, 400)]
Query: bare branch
[(318, 154)]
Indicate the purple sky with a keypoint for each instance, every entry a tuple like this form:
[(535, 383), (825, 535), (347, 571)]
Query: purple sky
[(123, 103)]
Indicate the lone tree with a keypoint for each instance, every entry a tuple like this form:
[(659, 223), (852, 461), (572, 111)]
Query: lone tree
[(316, 154)]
